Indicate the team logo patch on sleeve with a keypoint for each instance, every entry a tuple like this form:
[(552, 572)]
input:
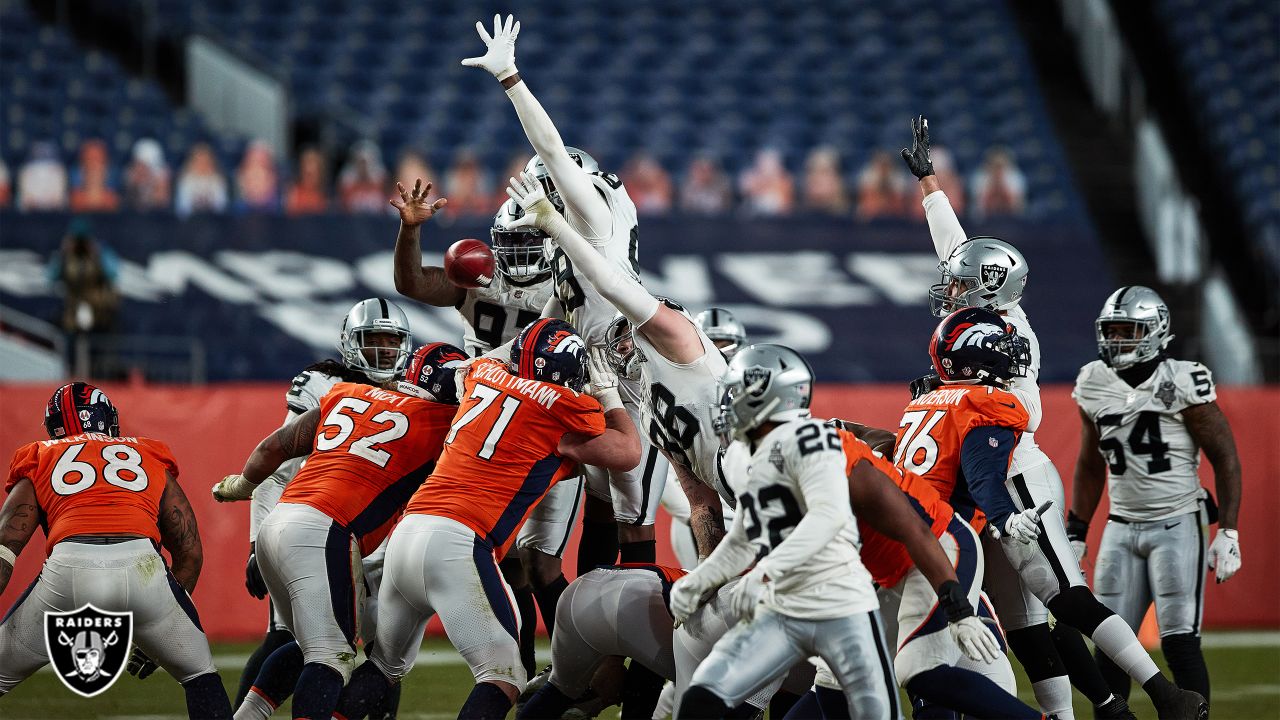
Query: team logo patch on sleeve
[(88, 647), (1166, 394)]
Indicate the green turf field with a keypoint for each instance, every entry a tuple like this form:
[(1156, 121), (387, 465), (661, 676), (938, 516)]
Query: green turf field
[(1246, 686)]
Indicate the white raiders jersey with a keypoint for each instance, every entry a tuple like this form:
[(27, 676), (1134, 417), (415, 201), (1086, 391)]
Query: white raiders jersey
[(495, 314), (678, 404), (581, 303), (798, 460), (1153, 460), (1027, 454)]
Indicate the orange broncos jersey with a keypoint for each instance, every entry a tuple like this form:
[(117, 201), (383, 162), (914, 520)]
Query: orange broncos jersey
[(373, 448), (934, 427), (887, 560), (500, 456), (94, 484)]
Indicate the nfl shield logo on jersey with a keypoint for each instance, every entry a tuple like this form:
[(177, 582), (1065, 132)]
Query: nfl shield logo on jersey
[(88, 647), (993, 276)]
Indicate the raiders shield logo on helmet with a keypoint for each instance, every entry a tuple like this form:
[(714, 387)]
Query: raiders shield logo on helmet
[(993, 276), (756, 380), (88, 647)]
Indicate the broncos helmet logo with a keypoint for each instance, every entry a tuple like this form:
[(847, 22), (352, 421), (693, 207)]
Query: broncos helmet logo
[(975, 334), (563, 341)]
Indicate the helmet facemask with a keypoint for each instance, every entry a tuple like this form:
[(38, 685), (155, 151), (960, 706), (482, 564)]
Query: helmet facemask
[(1123, 342), (519, 254), (621, 351), (379, 353)]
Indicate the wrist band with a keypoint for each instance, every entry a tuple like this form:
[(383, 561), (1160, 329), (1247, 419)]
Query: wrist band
[(8, 556)]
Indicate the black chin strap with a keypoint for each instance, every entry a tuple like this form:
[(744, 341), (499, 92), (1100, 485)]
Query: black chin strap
[(1137, 374)]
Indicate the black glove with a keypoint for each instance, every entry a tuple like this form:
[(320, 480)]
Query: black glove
[(1077, 529), (140, 666), (917, 157), (925, 384), (253, 581), (953, 601)]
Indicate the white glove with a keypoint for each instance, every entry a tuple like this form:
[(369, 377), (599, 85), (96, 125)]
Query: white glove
[(687, 595), (1224, 554), (529, 195), (232, 488), (975, 640), (604, 381), (1024, 526), (753, 589), (500, 58)]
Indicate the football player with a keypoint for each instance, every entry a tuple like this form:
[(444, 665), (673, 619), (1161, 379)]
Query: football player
[(962, 437), (655, 344), (1144, 417), (990, 273), (373, 347), (106, 502), (443, 556), (368, 449), (798, 484), (621, 506), (729, 335), (622, 610), (491, 316)]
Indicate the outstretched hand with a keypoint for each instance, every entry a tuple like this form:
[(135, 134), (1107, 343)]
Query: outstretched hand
[(413, 205), (500, 55), (532, 199), (917, 158)]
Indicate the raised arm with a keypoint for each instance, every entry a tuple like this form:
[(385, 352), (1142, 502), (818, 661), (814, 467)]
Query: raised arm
[(426, 284), (292, 440), (179, 534), (944, 226), (583, 204), (671, 333), (19, 518), (618, 448)]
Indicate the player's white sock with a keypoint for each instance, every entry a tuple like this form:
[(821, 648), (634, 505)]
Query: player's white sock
[(1053, 695), (666, 702), (254, 707), (1115, 638)]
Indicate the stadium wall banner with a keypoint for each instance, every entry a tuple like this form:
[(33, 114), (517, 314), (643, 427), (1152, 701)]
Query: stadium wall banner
[(212, 429), (267, 295)]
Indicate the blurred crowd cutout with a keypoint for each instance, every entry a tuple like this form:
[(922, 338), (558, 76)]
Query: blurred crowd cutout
[(359, 182)]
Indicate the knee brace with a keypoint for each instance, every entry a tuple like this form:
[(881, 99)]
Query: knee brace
[(1078, 607)]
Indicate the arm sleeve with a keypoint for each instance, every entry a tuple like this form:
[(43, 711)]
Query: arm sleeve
[(944, 226), (825, 489), (624, 292), (984, 459), (581, 199), (733, 555)]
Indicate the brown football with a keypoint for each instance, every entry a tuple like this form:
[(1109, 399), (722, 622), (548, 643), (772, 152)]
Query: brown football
[(469, 264)]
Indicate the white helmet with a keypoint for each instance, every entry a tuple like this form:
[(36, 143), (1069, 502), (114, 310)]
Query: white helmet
[(764, 383), (543, 176), (1142, 311), (371, 316), (983, 272)]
